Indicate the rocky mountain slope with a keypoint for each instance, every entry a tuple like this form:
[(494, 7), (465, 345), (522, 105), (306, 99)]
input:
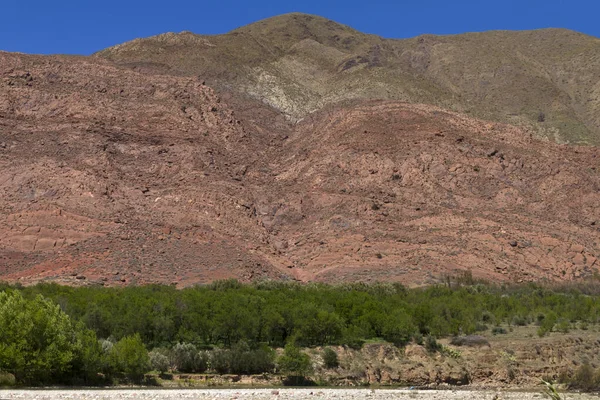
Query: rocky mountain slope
[(547, 79), (171, 160)]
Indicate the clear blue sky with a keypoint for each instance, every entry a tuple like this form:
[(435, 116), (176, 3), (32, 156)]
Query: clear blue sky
[(86, 26)]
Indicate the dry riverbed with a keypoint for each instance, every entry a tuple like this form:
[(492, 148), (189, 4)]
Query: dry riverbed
[(274, 394)]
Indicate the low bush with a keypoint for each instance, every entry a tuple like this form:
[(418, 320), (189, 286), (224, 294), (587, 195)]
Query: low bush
[(470, 340), (498, 330), (519, 320), (187, 358), (240, 359), (432, 345), (7, 379), (480, 327), (251, 362), (585, 378), (159, 361), (546, 323), (330, 358)]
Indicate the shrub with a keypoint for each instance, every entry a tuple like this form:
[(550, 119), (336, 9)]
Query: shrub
[(452, 353), (90, 359), (294, 362), (243, 360), (541, 117), (480, 327), (186, 358), (240, 359), (330, 358), (7, 379), (585, 378), (106, 345), (563, 326), (418, 338), (432, 345), (487, 317), (159, 361), (547, 323), (498, 330), (398, 328), (353, 338), (129, 357), (469, 340), (220, 361)]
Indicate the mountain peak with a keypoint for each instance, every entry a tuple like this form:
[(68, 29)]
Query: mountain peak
[(293, 21), (287, 29)]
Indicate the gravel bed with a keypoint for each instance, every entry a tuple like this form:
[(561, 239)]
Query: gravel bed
[(271, 394)]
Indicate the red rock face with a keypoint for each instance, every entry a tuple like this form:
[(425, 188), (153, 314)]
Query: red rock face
[(117, 177)]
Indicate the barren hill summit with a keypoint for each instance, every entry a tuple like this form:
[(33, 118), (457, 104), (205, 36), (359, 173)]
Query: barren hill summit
[(547, 80), (297, 148)]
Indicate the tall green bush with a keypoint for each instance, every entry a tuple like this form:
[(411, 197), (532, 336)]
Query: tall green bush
[(187, 358), (37, 340), (293, 362), (129, 357)]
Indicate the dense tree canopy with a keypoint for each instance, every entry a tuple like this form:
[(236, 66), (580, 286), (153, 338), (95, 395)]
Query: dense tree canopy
[(50, 332)]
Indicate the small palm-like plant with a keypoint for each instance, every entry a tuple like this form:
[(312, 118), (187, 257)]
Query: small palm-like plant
[(551, 392)]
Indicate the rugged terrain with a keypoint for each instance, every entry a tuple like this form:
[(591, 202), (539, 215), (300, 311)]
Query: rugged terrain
[(517, 360), (297, 148), (546, 79)]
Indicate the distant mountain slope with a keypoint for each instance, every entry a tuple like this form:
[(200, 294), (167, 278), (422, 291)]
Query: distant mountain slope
[(547, 80), (160, 160), (110, 176)]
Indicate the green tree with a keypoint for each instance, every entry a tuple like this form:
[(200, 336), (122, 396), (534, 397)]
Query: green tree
[(319, 327), (398, 328), (547, 324), (129, 357), (293, 362), (251, 361), (89, 359), (37, 340)]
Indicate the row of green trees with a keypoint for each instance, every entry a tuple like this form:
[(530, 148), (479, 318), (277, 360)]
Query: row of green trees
[(50, 333), (39, 343), (227, 312)]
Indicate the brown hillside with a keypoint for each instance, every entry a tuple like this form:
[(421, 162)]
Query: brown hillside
[(114, 176), (123, 176), (547, 80)]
